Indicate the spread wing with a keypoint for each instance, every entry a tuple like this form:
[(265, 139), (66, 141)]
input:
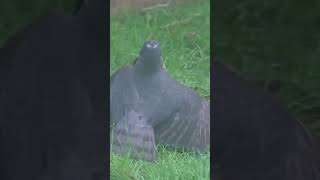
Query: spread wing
[(189, 127), (175, 116)]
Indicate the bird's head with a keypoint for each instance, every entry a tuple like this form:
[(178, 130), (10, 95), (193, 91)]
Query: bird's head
[(150, 59)]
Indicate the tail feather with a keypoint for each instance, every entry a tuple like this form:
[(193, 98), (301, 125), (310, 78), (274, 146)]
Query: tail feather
[(132, 135)]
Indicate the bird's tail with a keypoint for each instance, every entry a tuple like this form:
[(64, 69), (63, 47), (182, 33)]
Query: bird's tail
[(132, 136)]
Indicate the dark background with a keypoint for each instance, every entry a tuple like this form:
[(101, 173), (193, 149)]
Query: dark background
[(15, 14), (277, 44)]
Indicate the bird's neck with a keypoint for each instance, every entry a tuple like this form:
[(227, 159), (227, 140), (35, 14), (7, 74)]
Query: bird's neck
[(148, 69)]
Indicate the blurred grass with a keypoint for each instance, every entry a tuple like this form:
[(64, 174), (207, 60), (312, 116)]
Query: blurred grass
[(184, 35), (15, 14), (274, 40)]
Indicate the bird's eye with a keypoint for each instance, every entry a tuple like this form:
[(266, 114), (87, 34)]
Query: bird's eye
[(148, 45), (155, 46)]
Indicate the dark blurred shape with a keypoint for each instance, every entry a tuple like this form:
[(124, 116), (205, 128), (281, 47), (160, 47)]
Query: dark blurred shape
[(53, 102), (254, 136)]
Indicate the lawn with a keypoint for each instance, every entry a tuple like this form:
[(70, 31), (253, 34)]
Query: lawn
[(184, 34)]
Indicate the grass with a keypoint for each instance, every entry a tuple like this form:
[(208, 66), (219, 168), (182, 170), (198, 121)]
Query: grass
[(170, 165), (184, 34)]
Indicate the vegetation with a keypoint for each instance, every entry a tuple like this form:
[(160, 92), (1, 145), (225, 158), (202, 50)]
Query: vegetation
[(184, 35)]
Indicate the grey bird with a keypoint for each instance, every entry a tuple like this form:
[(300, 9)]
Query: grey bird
[(147, 107)]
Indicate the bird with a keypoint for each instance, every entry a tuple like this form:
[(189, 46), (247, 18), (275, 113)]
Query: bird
[(148, 106), (255, 137)]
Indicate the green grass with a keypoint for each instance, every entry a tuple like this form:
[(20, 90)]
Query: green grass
[(184, 35), (170, 165)]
